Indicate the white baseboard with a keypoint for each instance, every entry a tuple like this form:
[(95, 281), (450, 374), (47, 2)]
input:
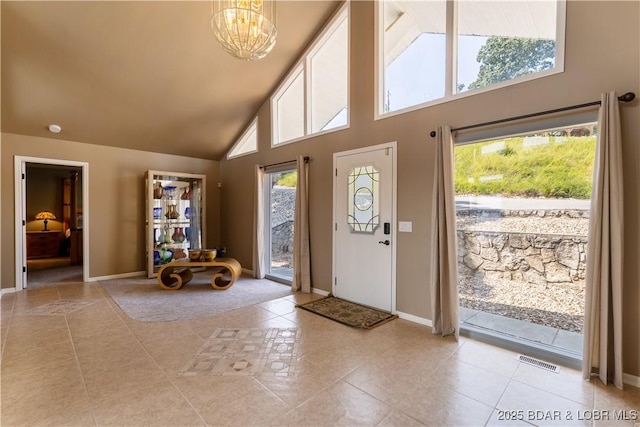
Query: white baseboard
[(320, 292), (118, 276), (414, 319), (7, 291), (631, 380)]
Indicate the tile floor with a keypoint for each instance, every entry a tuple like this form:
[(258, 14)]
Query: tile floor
[(71, 357)]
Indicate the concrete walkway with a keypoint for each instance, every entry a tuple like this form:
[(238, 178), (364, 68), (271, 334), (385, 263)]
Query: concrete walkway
[(558, 338)]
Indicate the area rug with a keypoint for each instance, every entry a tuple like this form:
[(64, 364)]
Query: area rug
[(142, 299), (348, 313)]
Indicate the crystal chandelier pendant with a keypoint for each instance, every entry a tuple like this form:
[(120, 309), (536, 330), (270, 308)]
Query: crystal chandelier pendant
[(246, 29)]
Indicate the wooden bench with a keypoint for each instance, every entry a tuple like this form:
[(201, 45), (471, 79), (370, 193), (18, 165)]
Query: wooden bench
[(174, 274)]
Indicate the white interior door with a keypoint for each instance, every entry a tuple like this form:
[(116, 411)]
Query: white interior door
[(364, 231)]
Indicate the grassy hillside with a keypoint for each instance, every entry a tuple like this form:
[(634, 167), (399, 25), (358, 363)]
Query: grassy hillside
[(527, 167), (288, 179)]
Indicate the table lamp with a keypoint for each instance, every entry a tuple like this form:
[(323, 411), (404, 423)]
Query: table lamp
[(46, 216)]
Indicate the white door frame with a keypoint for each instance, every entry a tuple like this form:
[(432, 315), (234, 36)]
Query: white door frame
[(394, 204), (20, 206)]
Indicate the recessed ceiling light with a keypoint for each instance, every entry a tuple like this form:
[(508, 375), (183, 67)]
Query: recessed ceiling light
[(55, 128)]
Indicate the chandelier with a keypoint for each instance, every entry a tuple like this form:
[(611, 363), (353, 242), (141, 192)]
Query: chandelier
[(246, 29)]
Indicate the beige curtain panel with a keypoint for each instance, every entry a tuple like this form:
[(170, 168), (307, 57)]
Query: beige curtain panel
[(259, 255), (444, 259), (301, 252), (602, 352)]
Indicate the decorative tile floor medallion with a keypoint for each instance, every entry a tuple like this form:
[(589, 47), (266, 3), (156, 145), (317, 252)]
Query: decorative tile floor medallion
[(61, 307), (257, 352)]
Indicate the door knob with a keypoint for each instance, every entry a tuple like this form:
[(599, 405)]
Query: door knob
[(384, 242)]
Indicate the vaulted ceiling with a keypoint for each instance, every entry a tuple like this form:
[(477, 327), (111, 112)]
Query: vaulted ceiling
[(146, 75)]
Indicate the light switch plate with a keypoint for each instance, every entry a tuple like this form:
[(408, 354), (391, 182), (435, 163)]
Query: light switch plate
[(405, 226)]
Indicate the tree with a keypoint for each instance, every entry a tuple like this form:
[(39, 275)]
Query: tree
[(503, 58)]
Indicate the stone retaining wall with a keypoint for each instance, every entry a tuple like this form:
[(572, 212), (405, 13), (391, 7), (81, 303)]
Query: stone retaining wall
[(533, 258), (282, 240), (542, 213), (282, 214), (284, 205)]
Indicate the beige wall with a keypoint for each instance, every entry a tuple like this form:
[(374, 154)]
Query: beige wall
[(602, 54), (116, 199)]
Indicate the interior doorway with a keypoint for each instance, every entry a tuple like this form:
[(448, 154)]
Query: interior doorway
[(51, 211)]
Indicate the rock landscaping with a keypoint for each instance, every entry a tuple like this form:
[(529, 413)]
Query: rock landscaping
[(527, 265), (283, 204)]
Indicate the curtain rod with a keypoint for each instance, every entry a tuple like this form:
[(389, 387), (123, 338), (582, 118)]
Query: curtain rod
[(306, 160), (627, 97)]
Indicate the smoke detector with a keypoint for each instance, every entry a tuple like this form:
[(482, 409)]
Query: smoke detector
[(55, 128)]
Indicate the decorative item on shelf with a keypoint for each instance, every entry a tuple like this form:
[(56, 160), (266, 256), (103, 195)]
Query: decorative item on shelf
[(186, 195), (156, 257), (195, 254), (178, 253), (178, 235), (208, 254), (157, 213), (172, 212), (165, 237), (155, 236), (187, 230), (170, 192), (221, 252), (157, 190), (187, 213), (166, 255), (46, 216)]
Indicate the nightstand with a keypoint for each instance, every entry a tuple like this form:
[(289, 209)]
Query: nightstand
[(43, 244)]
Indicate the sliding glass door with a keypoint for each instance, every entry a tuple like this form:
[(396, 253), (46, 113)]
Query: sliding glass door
[(522, 205), (281, 203)]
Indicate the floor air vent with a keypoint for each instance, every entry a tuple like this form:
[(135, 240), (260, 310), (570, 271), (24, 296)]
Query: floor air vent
[(538, 363)]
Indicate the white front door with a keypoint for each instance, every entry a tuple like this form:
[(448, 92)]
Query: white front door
[(364, 226)]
